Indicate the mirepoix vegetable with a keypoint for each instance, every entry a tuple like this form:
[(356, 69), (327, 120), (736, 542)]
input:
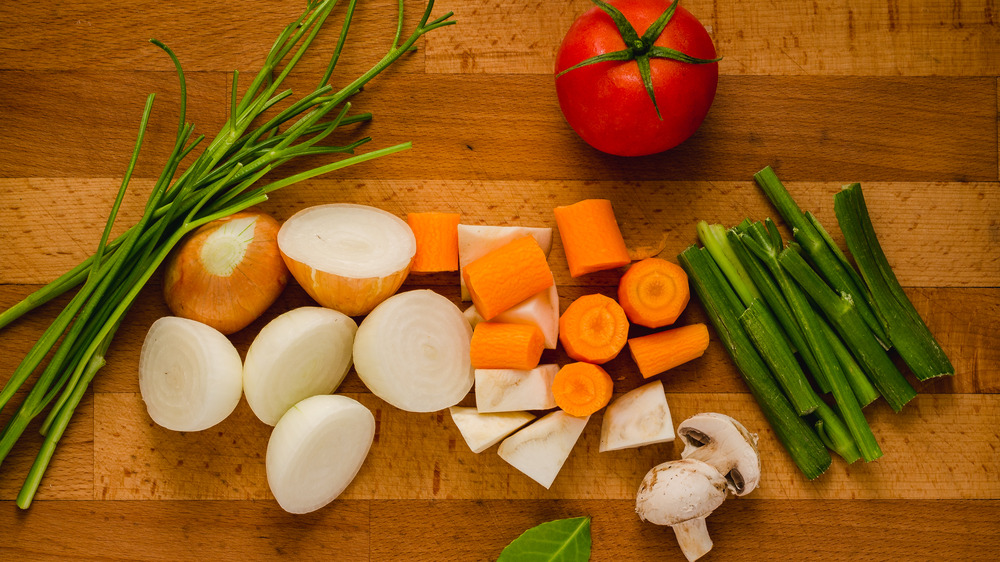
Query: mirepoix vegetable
[(482, 430), (475, 241), (227, 273), (347, 257), (541, 449), (581, 389), (590, 236), (593, 328), (437, 241), (507, 276), (316, 450), (661, 351), (639, 417), (497, 345), (541, 310), (508, 390), (190, 375), (653, 292), (266, 129)]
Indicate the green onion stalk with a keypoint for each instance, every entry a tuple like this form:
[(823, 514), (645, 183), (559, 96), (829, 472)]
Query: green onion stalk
[(724, 308), (226, 177), (906, 329)]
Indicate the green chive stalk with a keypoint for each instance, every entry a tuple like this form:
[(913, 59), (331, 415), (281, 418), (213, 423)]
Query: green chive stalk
[(765, 244), (817, 249), (906, 329), (724, 308), (840, 310), (761, 326), (222, 179)]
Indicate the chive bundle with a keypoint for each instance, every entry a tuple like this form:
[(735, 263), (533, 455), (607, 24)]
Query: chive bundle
[(221, 181), (770, 302)]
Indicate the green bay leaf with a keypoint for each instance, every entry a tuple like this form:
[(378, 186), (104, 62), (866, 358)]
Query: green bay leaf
[(562, 540)]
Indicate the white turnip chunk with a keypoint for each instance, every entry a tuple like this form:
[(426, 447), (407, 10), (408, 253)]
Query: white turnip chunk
[(482, 431), (541, 449), (511, 390), (639, 417)]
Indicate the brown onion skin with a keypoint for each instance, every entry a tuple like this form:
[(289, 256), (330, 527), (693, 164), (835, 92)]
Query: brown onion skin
[(231, 303)]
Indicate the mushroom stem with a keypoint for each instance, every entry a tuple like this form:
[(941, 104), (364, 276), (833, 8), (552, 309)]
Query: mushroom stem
[(692, 536)]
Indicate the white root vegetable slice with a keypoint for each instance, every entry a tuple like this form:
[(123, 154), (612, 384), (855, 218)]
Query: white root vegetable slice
[(302, 353), (475, 241), (316, 450), (639, 417), (541, 310), (481, 430), (511, 390), (347, 257), (190, 375), (413, 352), (541, 449)]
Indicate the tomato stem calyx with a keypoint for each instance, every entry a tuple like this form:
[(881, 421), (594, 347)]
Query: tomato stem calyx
[(641, 49)]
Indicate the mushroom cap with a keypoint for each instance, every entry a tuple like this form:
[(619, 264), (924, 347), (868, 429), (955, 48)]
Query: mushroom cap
[(724, 443), (678, 491)]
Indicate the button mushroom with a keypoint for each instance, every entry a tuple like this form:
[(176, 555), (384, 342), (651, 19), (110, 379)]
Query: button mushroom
[(682, 494), (724, 443)]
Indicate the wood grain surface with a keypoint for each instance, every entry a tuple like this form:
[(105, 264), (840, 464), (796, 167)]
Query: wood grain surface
[(902, 96)]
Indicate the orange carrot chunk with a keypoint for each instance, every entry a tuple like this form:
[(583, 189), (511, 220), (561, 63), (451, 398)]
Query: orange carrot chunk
[(437, 241), (593, 329), (496, 345), (506, 276), (591, 237), (654, 292), (665, 350), (581, 389)]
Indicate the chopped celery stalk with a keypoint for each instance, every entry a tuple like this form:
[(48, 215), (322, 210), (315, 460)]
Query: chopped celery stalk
[(723, 307), (764, 332), (865, 392), (777, 303), (765, 245), (834, 433), (907, 331), (816, 247), (713, 236), (842, 313)]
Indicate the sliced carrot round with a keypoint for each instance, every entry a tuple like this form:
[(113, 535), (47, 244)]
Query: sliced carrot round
[(580, 389), (593, 329), (654, 292)]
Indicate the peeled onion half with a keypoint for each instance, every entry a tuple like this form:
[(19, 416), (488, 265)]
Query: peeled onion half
[(226, 273), (316, 450), (302, 353), (190, 375), (347, 257), (413, 352)]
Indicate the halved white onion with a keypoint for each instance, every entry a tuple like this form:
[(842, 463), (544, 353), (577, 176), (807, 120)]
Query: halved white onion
[(475, 241), (347, 257), (541, 310), (302, 353), (316, 450), (481, 431), (541, 449), (636, 418), (190, 375), (413, 352)]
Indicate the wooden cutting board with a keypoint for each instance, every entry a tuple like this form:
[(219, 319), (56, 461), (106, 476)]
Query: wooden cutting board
[(902, 97)]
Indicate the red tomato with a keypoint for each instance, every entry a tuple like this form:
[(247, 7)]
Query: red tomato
[(606, 102)]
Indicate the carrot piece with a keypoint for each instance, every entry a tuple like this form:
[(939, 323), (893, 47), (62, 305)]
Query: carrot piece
[(437, 241), (591, 237), (664, 350), (496, 345), (506, 276), (593, 329), (581, 389), (654, 292)]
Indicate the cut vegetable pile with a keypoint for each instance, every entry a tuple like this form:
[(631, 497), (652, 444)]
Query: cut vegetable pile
[(766, 299)]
